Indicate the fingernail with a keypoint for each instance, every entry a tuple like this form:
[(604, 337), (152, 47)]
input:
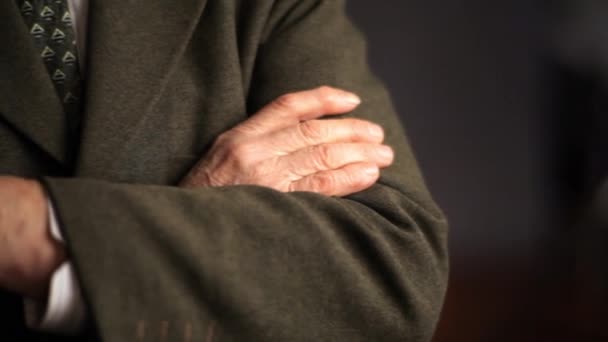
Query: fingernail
[(386, 152), (376, 131), (352, 98)]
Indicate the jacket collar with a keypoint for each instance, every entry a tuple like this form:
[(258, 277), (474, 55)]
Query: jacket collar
[(28, 100)]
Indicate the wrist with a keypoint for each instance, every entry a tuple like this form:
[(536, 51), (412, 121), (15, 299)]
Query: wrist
[(47, 254), (29, 253)]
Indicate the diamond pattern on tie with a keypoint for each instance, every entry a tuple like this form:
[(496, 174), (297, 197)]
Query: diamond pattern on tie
[(50, 25)]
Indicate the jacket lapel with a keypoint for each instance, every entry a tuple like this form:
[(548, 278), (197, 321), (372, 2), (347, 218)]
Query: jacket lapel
[(132, 47), (28, 100)]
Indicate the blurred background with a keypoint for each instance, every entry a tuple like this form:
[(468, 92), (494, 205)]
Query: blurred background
[(506, 105)]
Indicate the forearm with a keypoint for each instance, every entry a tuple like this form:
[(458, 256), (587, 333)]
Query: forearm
[(260, 263)]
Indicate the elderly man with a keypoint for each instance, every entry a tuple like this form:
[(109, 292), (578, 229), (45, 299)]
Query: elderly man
[(166, 176)]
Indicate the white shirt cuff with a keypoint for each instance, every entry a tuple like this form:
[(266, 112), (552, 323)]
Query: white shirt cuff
[(65, 310)]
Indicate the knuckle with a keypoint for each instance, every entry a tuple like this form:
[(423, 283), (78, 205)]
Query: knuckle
[(351, 179), (287, 101), (237, 151), (229, 149), (224, 139), (324, 183), (326, 91), (326, 94), (311, 130), (324, 156), (252, 126), (356, 178)]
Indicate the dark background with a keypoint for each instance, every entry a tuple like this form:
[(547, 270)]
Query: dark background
[(496, 115)]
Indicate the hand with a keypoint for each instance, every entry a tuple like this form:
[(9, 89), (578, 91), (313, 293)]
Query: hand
[(284, 148), (28, 253)]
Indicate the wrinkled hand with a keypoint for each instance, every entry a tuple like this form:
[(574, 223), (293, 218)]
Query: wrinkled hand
[(283, 147), (28, 253)]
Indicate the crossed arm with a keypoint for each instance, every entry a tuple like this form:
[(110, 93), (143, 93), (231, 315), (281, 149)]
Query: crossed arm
[(283, 147), (266, 264)]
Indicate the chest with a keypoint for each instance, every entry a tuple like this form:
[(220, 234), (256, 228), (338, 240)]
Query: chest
[(157, 95)]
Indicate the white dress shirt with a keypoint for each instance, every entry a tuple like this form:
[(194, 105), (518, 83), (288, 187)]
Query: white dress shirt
[(64, 311)]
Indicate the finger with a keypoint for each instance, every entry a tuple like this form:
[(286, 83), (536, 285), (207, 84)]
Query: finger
[(325, 157), (317, 132), (347, 180), (290, 109)]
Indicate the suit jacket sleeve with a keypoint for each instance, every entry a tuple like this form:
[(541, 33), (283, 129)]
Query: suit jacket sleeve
[(246, 263)]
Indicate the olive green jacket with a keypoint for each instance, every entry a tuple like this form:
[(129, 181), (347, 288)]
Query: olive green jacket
[(238, 263)]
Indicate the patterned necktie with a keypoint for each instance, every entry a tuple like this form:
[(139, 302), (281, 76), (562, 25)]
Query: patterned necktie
[(50, 25)]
